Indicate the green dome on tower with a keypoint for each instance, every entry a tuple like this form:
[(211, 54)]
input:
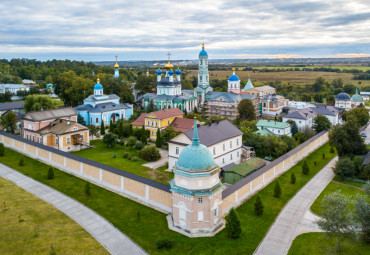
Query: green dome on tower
[(357, 97), (195, 157)]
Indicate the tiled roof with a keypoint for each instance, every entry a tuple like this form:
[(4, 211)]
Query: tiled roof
[(182, 124), (11, 105), (215, 133), (272, 124), (327, 110), (139, 121), (167, 113), (51, 114)]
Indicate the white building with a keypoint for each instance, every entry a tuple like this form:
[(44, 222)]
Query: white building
[(13, 88), (299, 105), (271, 127), (223, 140)]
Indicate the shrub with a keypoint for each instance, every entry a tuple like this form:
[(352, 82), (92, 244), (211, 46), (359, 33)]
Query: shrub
[(125, 155), (277, 189), (292, 178), (134, 159), (115, 155), (88, 189), (2, 150), (332, 150), (164, 243), (323, 156), (50, 173), (21, 161), (305, 168), (150, 153), (131, 141), (122, 142), (129, 157), (233, 227), (139, 145), (258, 205)]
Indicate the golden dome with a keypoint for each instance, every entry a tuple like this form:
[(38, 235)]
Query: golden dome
[(116, 65), (168, 66)]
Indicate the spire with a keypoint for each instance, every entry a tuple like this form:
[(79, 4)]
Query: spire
[(98, 80), (203, 44), (234, 70), (195, 134), (356, 90), (116, 65)]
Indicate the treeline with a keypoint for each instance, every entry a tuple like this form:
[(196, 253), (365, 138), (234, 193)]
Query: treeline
[(315, 69)]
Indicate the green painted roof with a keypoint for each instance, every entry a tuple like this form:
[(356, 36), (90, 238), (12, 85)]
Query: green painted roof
[(357, 97), (264, 132), (272, 124), (247, 167), (248, 85)]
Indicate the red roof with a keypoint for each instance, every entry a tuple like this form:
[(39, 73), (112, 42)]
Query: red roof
[(167, 113), (182, 124), (139, 121)]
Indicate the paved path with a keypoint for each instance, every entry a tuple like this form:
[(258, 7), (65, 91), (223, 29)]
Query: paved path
[(296, 218), (163, 161), (104, 232)]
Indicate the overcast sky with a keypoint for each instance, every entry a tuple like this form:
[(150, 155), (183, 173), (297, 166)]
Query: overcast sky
[(145, 30)]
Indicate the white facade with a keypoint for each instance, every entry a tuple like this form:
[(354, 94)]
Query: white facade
[(302, 124), (224, 153), (13, 88)]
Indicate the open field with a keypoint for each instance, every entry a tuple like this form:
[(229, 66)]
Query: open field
[(362, 68), (30, 226), (294, 77), (145, 225), (101, 153)]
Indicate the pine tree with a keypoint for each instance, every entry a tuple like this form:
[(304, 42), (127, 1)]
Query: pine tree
[(294, 128), (50, 173), (21, 161), (258, 205), (185, 112), (102, 128), (277, 189), (88, 189), (305, 168), (143, 135), (292, 178), (233, 226), (158, 142), (2, 149), (121, 133), (195, 109), (111, 127)]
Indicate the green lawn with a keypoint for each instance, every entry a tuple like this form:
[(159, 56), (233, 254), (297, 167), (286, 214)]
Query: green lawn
[(101, 153), (319, 243), (30, 226), (145, 225)]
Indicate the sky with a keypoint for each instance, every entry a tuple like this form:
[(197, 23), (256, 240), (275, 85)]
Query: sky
[(96, 30)]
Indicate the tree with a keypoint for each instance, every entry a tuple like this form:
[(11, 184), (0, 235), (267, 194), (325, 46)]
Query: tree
[(81, 120), (292, 178), (9, 122), (50, 173), (110, 139), (305, 168), (150, 106), (93, 131), (258, 205), (111, 127), (294, 128), (2, 150), (102, 128), (233, 226), (321, 123), (130, 131), (360, 113), (319, 84), (120, 130), (131, 141), (38, 103), (150, 153), (143, 135), (246, 110), (336, 218), (300, 137), (158, 141), (87, 189), (185, 112), (344, 168), (168, 134), (362, 214), (195, 109), (277, 189), (337, 83)]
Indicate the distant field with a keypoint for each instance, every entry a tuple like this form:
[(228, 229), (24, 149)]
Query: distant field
[(294, 77), (362, 68)]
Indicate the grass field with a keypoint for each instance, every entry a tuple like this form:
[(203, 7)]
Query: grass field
[(294, 77), (30, 226), (362, 68), (101, 153), (145, 225)]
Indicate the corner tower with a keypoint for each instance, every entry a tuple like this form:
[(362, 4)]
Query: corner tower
[(116, 70), (196, 191), (203, 87)]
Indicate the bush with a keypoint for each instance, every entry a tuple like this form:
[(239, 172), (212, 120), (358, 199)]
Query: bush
[(292, 178), (233, 227), (139, 145), (305, 168), (21, 161), (332, 150), (258, 205), (129, 157), (150, 153), (164, 243), (115, 155), (131, 141), (122, 142), (134, 159), (88, 189), (277, 189), (2, 150), (50, 173), (125, 155)]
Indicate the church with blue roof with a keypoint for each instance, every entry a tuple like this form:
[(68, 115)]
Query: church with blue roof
[(106, 108)]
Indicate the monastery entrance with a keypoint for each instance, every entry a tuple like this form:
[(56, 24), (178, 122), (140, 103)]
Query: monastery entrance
[(114, 117)]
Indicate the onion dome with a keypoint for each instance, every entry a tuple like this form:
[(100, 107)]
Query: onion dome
[(98, 85), (178, 72), (171, 72), (168, 66), (343, 97), (233, 77), (356, 97), (203, 52), (116, 65), (195, 157), (159, 72)]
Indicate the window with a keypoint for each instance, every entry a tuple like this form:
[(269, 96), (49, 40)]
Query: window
[(177, 150), (82, 137), (231, 156), (231, 144), (152, 133), (200, 200), (169, 122), (215, 212), (156, 124), (279, 131), (237, 154), (152, 123), (200, 216), (97, 120), (200, 78), (201, 62), (237, 141), (74, 129), (223, 160), (56, 140), (27, 136), (214, 150), (33, 138), (207, 78), (223, 147), (90, 120), (68, 140), (148, 123), (300, 122)]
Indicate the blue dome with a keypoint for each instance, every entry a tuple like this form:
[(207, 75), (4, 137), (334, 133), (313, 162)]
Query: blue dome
[(170, 72), (159, 72), (195, 157), (178, 71), (233, 78), (98, 86), (343, 97), (203, 53)]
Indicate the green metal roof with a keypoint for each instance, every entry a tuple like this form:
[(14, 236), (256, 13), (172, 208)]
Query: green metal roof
[(272, 124), (264, 132)]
